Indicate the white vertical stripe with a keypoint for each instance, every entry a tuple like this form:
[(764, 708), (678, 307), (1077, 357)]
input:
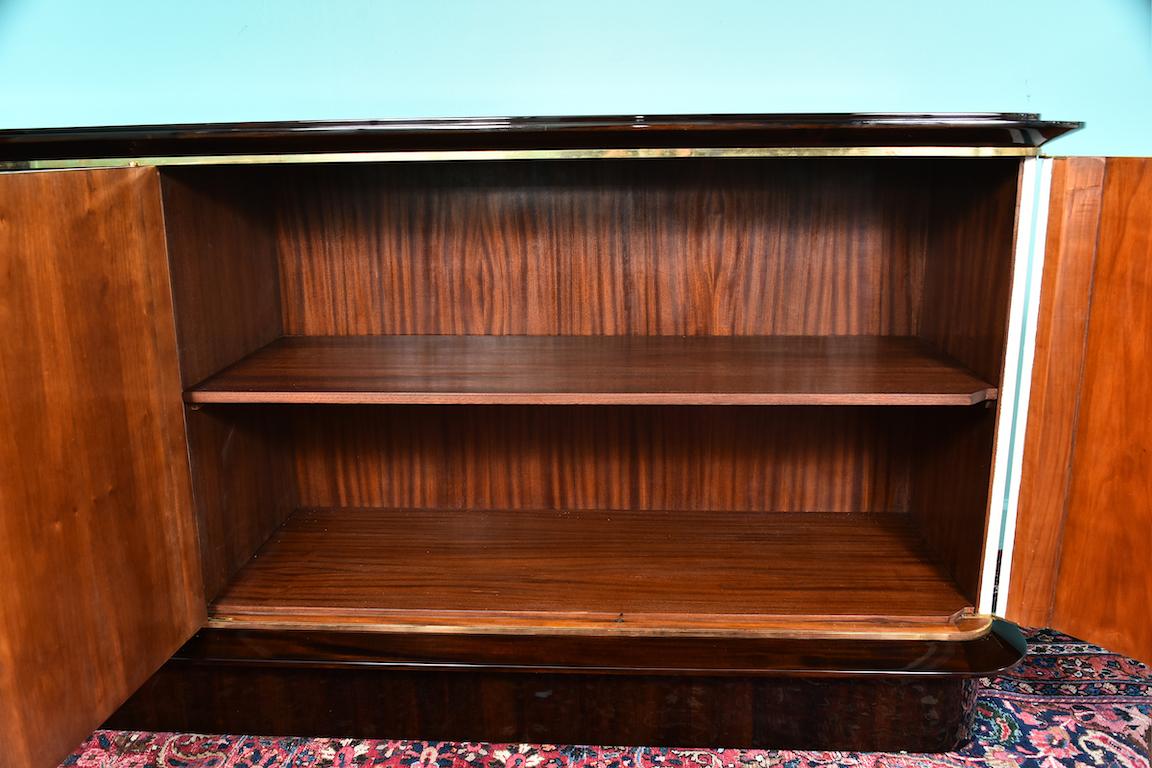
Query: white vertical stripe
[(1021, 344), (1024, 387)]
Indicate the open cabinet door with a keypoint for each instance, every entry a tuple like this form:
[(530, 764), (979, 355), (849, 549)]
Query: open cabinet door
[(99, 578), (1083, 550)]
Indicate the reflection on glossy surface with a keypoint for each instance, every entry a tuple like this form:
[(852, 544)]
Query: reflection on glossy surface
[(843, 695), (607, 132)]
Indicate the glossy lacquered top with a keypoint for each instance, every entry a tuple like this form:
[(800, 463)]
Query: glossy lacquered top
[(977, 129)]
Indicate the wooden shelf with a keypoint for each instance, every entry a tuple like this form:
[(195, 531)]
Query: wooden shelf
[(664, 573), (754, 370)]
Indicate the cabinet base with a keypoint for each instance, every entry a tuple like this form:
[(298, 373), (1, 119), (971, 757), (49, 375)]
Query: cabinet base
[(918, 696)]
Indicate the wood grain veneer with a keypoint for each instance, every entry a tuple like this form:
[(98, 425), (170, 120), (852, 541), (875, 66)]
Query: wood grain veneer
[(968, 269), (1084, 511), (886, 695), (702, 458), (675, 656), (501, 283), (967, 285), (225, 283), (100, 577), (1057, 377), (690, 247), (592, 571), (949, 489), (927, 714), (244, 482), (1103, 589), (565, 328), (225, 276), (786, 370)]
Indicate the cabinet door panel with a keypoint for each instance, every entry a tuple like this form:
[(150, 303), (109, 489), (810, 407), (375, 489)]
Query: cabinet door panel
[(1065, 299), (1081, 562), (99, 574)]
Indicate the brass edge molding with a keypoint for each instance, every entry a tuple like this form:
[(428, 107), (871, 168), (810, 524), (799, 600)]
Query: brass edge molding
[(496, 629), (974, 627), (515, 154)]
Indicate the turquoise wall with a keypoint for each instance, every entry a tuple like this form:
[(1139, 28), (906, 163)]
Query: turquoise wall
[(136, 61)]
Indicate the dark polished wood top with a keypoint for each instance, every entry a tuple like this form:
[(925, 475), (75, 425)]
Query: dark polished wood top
[(972, 129)]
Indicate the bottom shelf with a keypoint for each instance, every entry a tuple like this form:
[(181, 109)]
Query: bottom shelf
[(640, 573)]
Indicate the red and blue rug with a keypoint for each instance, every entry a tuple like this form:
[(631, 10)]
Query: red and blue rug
[(1067, 704)]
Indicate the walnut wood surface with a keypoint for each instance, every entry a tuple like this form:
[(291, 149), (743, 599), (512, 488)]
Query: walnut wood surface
[(467, 704), (99, 571), (778, 247), (846, 459), (949, 490), (998, 646), (245, 487), (968, 270), (1057, 376), (857, 370), (793, 520), (824, 694), (1103, 589), (225, 283), (597, 572), (225, 277), (749, 130), (967, 285)]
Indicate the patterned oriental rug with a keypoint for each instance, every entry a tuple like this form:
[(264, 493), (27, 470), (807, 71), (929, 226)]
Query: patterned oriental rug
[(1067, 704)]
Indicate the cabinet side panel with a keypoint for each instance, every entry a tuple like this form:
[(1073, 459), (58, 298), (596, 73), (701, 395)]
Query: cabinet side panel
[(1104, 587), (225, 279), (1065, 294), (242, 476), (226, 291), (967, 287), (100, 577), (602, 457), (968, 269), (949, 495)]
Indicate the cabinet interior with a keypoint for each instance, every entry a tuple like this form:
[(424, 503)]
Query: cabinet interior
[(674, 396)]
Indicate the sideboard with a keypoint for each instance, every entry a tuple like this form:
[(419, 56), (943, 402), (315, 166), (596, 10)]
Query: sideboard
[(641, 429)]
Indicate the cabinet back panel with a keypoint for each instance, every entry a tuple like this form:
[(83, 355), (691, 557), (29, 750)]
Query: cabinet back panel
[(603, 457), (693, 247), (855, 246)]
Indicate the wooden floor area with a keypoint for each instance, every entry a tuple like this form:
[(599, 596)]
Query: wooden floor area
[(598, 572)]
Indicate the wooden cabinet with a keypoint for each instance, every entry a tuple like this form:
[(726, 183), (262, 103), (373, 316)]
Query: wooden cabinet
[(656, 430)]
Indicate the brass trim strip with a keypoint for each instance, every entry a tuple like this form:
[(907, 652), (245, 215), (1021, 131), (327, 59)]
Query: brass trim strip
[(963, 626), (516, 154)]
